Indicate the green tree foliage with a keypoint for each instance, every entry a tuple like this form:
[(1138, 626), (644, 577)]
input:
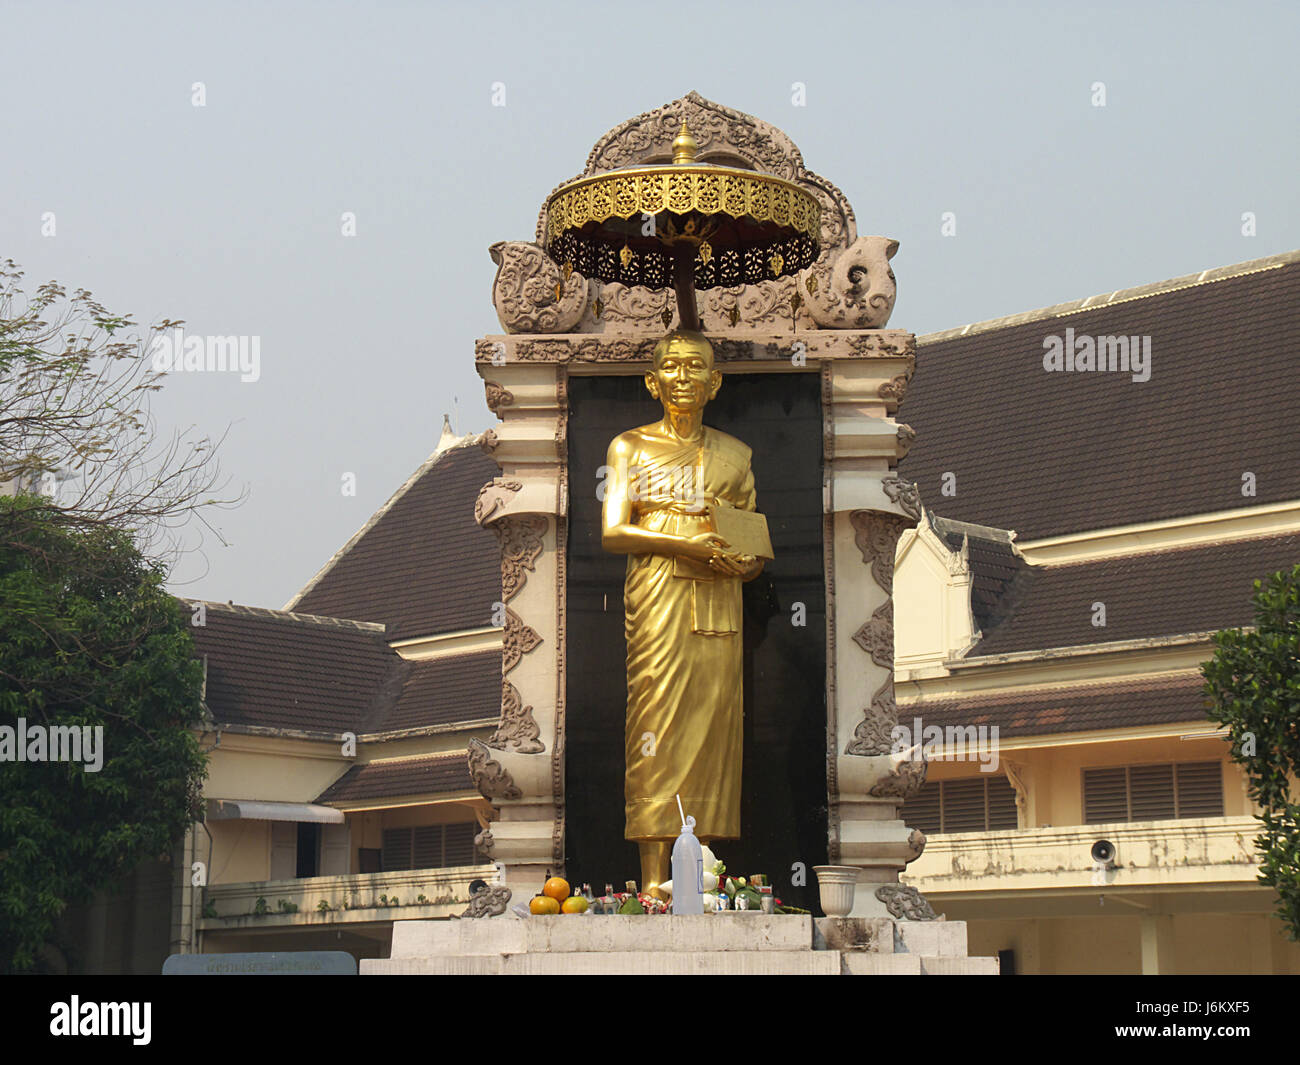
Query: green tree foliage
[(1254, 680), (90, 495), (89, 637)]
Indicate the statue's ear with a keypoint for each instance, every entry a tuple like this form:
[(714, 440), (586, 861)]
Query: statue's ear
[(651, 385), (715, 382)]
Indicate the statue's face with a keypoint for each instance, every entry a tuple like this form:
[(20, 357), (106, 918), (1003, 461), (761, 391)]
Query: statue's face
[(683, 378)]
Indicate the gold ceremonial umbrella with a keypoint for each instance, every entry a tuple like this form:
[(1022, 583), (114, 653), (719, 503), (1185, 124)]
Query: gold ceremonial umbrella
[(687, 225)]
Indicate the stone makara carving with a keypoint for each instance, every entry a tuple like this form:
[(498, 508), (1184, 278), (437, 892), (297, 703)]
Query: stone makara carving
[(493, 496), (490, 901), (905, 903), (531, 293), (905, 494), (905, 778), (854, 289), (490, 776)]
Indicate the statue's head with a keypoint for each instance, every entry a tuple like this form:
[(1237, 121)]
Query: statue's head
[(683, 378)]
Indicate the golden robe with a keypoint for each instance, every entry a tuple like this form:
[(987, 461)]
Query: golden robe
[(683, 626)]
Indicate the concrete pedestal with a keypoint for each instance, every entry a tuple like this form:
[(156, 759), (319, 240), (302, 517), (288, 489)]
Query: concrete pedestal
[(739, 944)]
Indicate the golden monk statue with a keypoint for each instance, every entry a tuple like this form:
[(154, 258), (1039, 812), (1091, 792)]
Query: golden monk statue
[(682, 601)]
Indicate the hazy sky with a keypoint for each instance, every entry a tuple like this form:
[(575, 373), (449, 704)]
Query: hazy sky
[(228, 216)]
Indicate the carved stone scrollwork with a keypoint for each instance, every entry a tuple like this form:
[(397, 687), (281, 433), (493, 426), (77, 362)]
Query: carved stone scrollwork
[(906, 437), (767, 304), (531, 293), (492, 497), (490, 442), (485, 844), (904, 782), (490, 901), (876, 637), (876, 536), (854, 289), (498, 396), (905, 494), (874, 734), (628, 308), (915, 844), (491, 778), (518, 731), (521, 541), (516, 641), (905, 903), (896, 387)]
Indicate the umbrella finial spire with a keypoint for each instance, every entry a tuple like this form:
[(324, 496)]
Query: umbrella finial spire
[(685, 146)]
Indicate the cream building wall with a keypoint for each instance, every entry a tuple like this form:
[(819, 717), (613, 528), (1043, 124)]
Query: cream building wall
[(1185, 898)]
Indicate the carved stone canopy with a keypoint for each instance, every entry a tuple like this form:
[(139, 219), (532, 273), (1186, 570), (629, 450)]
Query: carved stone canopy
[(850, 285)]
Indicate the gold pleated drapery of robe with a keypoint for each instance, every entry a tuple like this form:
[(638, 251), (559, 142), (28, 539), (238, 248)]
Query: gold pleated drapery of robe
[(684, 646)]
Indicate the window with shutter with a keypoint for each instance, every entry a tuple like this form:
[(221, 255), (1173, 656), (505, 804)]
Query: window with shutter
[(429, 846), (963, 805), (1200, 789), (922, 810), (976, 804), (1003, 813), (397, 849), (460, 845), (1105, 795), (1153, 792)]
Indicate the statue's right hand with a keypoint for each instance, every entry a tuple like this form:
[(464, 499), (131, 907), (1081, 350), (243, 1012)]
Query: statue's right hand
[(703, 546)]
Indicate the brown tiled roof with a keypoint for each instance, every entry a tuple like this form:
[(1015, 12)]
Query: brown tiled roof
[(441, 691), (282, 670), (1162, 593), (274, 669), (1051, 453), (423, 566), (433, 775), (993, 565), (1151, 701)]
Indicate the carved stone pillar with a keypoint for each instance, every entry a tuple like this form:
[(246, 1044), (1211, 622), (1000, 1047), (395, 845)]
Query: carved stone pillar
[(521, 766), (867, 509)]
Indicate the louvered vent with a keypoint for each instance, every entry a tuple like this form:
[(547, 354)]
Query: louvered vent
[(429, 846), (1200, 789), (397, 849), (975, 804), (460, 845), (1002, 805), (922, 810), (1153, 792)]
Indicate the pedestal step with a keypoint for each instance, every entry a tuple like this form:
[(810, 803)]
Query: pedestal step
[(618, 963), (683, 963), (736, 944)]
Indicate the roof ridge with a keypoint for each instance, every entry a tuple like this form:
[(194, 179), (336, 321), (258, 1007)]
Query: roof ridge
[(1125, 295), (1169, 549), (984, 532), (1046, 689), (397, 759), (456, 444), (289, 615)]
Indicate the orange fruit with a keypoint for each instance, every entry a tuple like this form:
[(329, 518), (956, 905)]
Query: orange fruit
[(543, 904), (574, 904), (557, 888)]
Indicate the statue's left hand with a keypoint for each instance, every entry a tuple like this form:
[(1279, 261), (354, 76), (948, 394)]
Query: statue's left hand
[(735, 565)]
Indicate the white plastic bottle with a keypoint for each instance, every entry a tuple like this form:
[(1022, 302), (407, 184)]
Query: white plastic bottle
[(688, 870)]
